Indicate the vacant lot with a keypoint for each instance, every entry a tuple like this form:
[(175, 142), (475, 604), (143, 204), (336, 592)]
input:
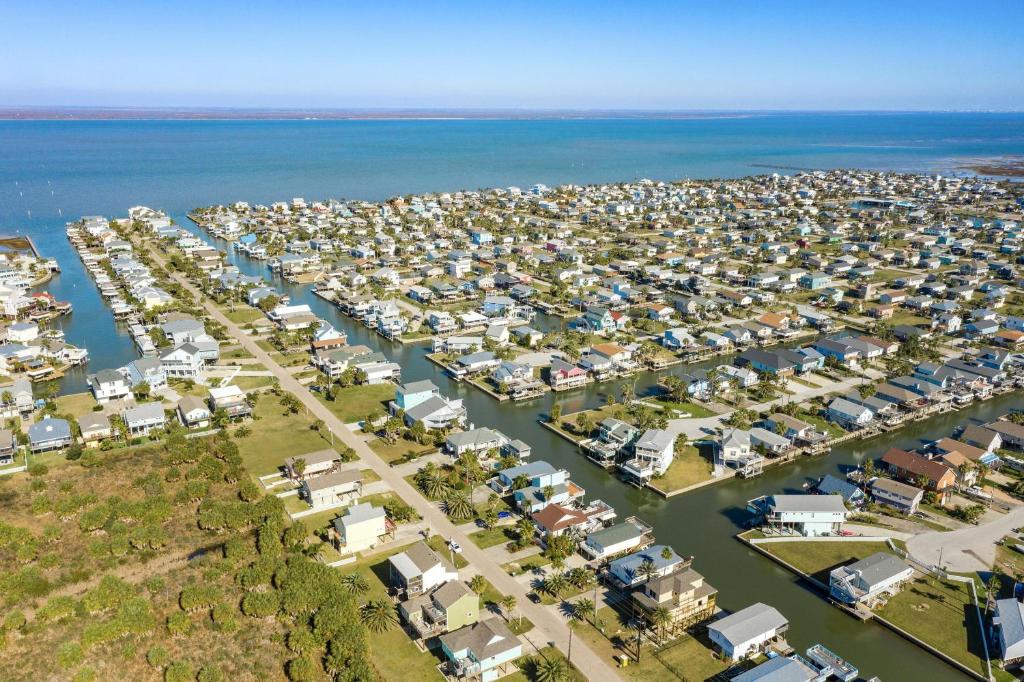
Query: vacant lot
[(687, 468), (818, 558), (354, 403)]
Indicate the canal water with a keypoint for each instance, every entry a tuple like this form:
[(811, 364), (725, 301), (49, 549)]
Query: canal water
[(703, 522)]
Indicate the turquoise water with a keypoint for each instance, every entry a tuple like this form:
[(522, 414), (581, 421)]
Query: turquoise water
[(88, 167)]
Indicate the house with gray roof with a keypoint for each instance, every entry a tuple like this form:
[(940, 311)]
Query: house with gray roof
[(478, 440), (94, 427), (869, 579), (49, 434), (142, 419), (748, 632), (109, 384), (419, 569), (1008, 630), (481, 651)]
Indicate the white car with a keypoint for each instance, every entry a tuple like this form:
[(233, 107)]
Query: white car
[(455, 547)]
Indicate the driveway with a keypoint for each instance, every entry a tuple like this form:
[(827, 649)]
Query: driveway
[(968, 549)]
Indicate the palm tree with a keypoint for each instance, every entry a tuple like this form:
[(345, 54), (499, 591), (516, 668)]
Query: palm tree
[(458, 507), (584, 608), (553, 584), (580, 577), (551, 670), (647, 569), (355, 583), (508, 605), (478, 584), (378, 615), (661, 617)]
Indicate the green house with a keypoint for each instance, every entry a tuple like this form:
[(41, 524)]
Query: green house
[(445, 609)]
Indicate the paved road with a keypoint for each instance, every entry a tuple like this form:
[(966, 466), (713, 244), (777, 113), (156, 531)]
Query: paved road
[(550, 626), (968, 549), (698, 428)]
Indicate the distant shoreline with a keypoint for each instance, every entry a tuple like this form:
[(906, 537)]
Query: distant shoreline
[(43, 113)]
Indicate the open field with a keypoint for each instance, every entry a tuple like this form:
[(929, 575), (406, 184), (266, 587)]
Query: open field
[(354, 403)]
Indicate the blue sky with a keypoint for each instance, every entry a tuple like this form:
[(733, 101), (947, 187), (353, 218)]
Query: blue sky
[(586, 55)]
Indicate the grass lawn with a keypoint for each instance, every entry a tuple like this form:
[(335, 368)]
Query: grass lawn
[(526, 671), (394, 452), (818, 558), (275, 436), (243, 315), (821, 424), (687, 468), (941, 614), (491, 598), (696, 411), (805, 382), (440, 545), (689, 657), (252, 383), (76, 404), (236, 354), (489, 537), (528, 564), (568, 422), (394, 654), (356, 402)]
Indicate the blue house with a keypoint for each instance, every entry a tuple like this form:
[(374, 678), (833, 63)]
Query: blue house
[(481, 237), (815, 280), (645, 564), (408, 396), (483, 650)]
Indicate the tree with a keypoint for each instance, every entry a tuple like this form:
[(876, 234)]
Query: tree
[(508, 605), (299, 466), (458, 507), (553, 584), (551, 670), (580, 577), (647, 569), (355, 583), (478, 584), (584, 608), (661, 617), (556, 413), (378, 615), (584, 424)]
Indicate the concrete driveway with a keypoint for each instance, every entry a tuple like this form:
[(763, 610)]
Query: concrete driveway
[(968, 549)]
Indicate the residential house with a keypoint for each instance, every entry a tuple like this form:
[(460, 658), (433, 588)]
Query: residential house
[(445, 609), (748, 632), (865, 581), (333, 489), (49, 434), (902, 497), (94, 427), (653, 452), (312, 464), (684, 593), (628, 536), (913, 467), (109, 384), (232, 400), (1008, 631), (193, 412), (419, 569), (807, 515), (142, 419), (639, 567), (564, 376), (482, 651), (8, 446), (360, 528)]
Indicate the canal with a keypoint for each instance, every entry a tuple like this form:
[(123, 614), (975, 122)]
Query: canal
[(701, 523)]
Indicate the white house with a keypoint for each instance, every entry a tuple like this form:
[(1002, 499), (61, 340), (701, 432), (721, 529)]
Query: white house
[(865, 580), (419, 569), (331, 490), (807, 515), (361, 527), (748, 632)]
